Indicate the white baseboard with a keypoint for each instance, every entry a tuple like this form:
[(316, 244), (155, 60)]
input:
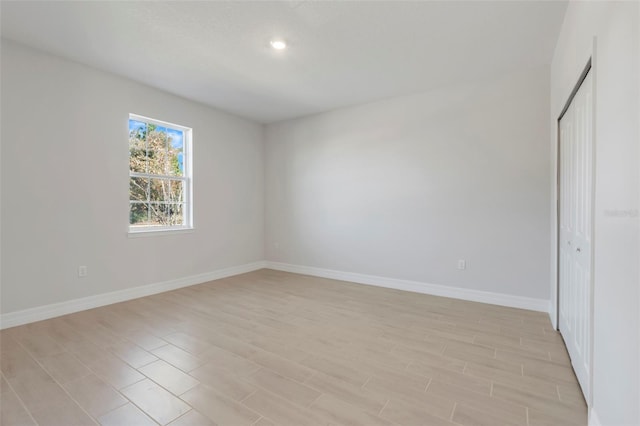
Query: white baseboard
[(40, 313), (594, 420), (541, 305)]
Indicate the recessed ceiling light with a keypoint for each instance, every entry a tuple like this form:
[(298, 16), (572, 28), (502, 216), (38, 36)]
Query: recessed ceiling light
[(278, 44)]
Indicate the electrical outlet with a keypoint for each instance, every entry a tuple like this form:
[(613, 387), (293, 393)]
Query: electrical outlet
[(82, 271), (462, 264)]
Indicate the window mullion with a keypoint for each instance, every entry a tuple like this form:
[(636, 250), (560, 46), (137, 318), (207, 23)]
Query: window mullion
[(155, 176), (148, 200)]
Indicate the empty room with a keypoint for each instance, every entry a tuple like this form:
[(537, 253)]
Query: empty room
[(302, 212)]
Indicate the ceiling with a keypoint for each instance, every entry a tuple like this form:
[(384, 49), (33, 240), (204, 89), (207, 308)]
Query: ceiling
[(340, 52)]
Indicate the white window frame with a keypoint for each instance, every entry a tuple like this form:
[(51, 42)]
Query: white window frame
[(140, 231)]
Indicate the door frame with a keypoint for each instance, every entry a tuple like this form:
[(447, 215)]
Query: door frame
[(588, 68)]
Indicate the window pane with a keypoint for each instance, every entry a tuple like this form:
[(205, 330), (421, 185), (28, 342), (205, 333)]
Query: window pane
[(166, 151), (159, 190), (177, 214), (157, 150), (137, 146), (167, 191), (138, 189), (176, 192), (175, 148), (160, 214), (138, 214)]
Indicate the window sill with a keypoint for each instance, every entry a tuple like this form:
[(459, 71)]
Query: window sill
[(158, 232)]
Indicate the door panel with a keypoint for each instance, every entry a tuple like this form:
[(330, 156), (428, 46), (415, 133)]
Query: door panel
[(575, 216)]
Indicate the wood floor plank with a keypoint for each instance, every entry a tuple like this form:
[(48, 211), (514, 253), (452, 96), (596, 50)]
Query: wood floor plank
[(507, 410), (128, 414), (340, 412), (407, 414), (354, 395), (12, 412), (169, 377), (64, 367), (94, 396), (219, 408), (157, 402), (468, 416), (288, 389), (273, 348), (223, 381), (280, 410), (66, 412)]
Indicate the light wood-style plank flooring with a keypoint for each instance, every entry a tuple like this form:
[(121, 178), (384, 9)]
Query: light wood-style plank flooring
[(269, 348)]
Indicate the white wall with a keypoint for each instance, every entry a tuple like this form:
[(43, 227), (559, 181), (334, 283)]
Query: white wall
[(65, 184), (405, 187), (616, 390)]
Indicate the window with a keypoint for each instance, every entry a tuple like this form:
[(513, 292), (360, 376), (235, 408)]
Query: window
[(159, 175)]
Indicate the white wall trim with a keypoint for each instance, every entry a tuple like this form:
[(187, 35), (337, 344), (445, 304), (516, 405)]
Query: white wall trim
[(594, 420), (541, 305), (40, 313)]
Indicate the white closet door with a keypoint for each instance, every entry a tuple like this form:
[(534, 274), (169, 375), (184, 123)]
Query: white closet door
[(576, 182)]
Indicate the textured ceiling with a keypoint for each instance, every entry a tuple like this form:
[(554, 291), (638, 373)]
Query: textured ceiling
[(341, 53)]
